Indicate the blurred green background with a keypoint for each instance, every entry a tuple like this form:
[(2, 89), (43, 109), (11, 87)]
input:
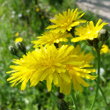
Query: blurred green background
[(28, 19)]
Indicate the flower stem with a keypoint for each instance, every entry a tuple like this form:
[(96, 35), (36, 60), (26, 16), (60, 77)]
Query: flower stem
[(98, 79), (103, 95), (74, 100)]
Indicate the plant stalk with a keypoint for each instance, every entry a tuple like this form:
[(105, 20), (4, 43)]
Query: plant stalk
[(103, 95), (74, 100), (98, 79)]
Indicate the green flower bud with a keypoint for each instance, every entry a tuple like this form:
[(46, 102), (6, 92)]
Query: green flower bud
[(104, 36), (21, 47), (13, 50)]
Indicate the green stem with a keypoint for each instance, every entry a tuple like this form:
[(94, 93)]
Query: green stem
[(74, 100), (103, 95), (98, 79)]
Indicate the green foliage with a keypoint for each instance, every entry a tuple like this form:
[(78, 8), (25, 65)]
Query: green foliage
[(22, 16)]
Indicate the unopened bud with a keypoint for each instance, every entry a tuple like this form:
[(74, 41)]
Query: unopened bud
[(94, 42), (13, 50), (21, 47), (104, 36)]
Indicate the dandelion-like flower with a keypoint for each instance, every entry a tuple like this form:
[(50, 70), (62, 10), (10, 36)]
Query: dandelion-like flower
[(19, 39), (60, 66), (88, 32), (51, 37), (105, 49), (65, 21)]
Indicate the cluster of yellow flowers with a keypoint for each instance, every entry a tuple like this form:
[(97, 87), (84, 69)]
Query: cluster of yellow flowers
[(65, 66)]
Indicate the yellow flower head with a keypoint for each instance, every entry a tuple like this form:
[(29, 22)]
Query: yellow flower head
[(60, 66), (37, 9), (16, 34), (19, 39), (105, 49), (88, 32), (65, 21), (51, 37)]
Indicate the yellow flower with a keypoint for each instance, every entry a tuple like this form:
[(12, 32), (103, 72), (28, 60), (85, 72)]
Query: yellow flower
[(88, 32), (51, 37), (19, 39), (16, 34), (37, 9), (105, 49), (65, 21), (60, 66)]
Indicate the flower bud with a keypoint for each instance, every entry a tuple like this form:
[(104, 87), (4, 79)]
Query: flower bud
[(104, 36), (21, 47), (13, 50), (94, 43)]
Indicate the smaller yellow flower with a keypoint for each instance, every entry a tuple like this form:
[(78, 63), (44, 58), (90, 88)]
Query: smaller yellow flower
[(105, 49), (19, 39), (16, 34), (37, 9), (65, 21), (51, 37), (88, 32)]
